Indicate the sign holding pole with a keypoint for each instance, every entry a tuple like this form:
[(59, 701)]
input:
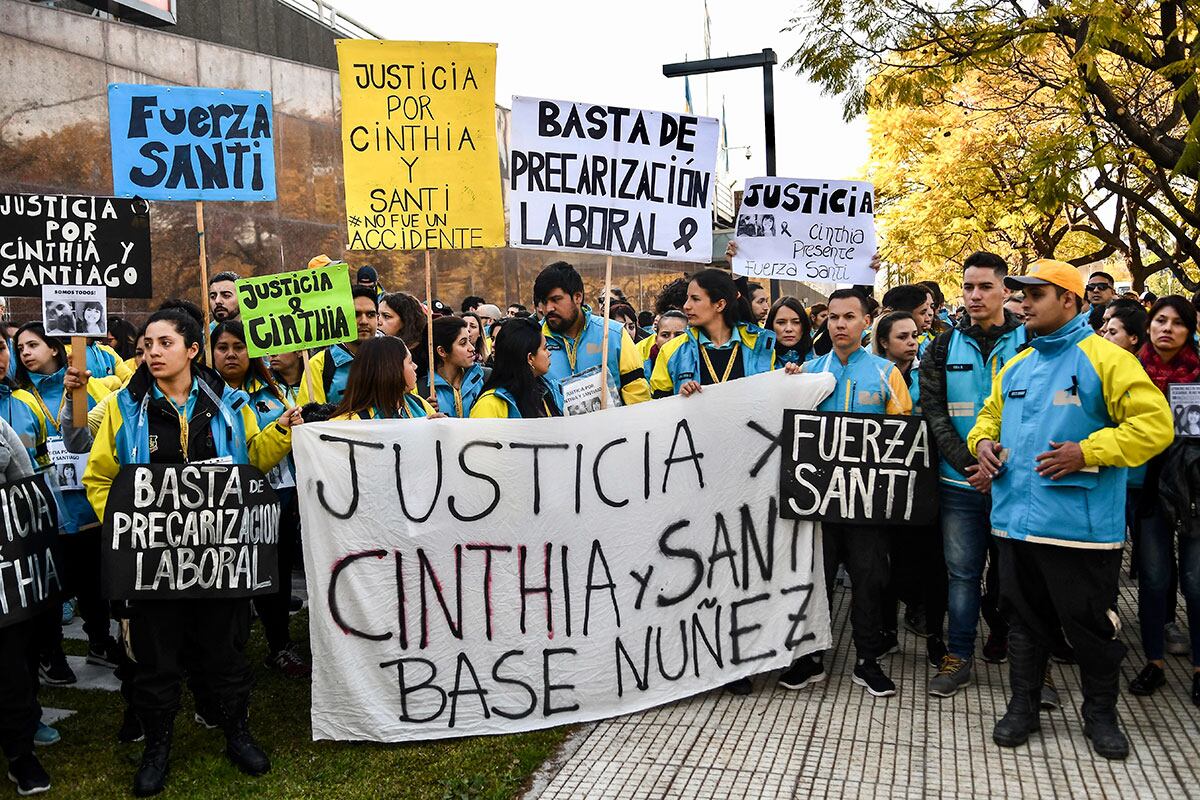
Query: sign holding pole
[(79, 312), (604, 336)]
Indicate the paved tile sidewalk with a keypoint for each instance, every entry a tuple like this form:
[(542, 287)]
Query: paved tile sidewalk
[(834, 740)]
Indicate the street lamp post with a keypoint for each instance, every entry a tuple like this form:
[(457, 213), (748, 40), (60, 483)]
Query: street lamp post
[(767, 60)]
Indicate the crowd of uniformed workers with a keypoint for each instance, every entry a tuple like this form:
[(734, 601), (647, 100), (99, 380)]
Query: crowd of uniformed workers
[(1046, 398)]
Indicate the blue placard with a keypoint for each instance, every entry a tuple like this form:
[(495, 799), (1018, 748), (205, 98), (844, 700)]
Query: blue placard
[(189, 143)]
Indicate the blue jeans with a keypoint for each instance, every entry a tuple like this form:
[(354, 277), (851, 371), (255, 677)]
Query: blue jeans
[(966, 530), (1156, 558)]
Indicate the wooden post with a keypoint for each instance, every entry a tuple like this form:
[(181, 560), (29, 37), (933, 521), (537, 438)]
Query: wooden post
[(79, 397), (604, 337), (203, 264), (429, 318)]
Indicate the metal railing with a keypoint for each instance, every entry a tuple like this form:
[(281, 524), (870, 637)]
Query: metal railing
[(329, 16)]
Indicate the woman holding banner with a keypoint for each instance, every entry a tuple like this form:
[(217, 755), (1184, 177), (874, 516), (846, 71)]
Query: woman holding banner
[(267, 399), (20, 713), (41, 371), (793, 331), (517, 387), (175, 411), (457, 379), (722, 342), (381, 384)]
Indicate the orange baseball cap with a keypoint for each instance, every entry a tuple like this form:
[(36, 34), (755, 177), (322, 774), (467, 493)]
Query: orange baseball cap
[(1048, 271)]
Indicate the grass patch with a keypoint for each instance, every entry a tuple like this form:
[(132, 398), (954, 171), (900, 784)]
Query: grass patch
[(88, 762)]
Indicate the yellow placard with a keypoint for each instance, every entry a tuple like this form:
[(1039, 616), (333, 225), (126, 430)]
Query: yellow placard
[(422, 168)]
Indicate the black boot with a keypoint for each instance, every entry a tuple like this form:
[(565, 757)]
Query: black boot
[(151, 777), (1101, 726), (1026, 668), (240, 747)]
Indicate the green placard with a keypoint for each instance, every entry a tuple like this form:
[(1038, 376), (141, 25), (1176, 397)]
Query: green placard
[(300, 310)]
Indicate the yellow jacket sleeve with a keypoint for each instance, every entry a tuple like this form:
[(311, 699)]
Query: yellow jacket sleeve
[(661, 382), (266, 447), (489, 406), (644, 347), (1143, 416), (316, 365), (96, 415), (634, 386), (102, 465), (899, 399)]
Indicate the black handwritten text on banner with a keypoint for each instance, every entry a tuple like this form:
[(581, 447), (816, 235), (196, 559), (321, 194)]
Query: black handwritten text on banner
[(29, 564), (518, 574), (63, 240), (857, 468), (174, 531), (611, 180)]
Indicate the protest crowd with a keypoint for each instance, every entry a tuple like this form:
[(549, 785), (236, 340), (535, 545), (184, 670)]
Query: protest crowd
[(1046, 399)]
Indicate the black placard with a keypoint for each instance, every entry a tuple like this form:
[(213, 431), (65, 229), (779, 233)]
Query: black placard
[(64, 240), (857, 468), (190, 531), (29, 562)]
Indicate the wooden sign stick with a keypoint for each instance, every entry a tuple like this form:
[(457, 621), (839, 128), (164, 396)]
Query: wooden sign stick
[(203, 263), (79, 397), (429, 319), (604, 337)]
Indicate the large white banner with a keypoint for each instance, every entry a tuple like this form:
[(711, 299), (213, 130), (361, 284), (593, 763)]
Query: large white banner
[(811, 230), (489, 576), (622, 181)]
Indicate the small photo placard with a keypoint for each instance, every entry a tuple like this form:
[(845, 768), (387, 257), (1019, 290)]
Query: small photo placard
[(1185, 408), (75, 310)]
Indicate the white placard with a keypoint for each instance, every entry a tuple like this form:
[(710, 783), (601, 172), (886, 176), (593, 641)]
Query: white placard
[(581, 393), (1185, 408), (75, 310), (542, 572), (811, 230), (68, 467), (609, 179)]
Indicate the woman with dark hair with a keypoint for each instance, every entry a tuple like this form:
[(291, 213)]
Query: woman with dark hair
[(457, 379), (896, 339), (517, 387), (174, 410), (401, 314), (624, 313), (1170, 356), (793, 331), (122, 338), (41, 371), (382, 382), (479, 342), (90, 320), (721, 343), (1125, 326), (268, 401)]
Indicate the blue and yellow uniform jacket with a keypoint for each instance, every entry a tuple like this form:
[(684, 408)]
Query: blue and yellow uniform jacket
[(866, 384), (143, 427), (330, 370), (456, 402), (679, 360), (626, 366), (1070, 386)]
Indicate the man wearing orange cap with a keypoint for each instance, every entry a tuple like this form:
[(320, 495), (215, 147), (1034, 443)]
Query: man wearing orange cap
[(1064, 419)]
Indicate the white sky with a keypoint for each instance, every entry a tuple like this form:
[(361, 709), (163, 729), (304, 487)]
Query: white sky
[(613, 52)]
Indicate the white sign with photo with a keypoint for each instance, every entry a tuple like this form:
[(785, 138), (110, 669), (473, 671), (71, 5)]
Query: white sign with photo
[(75, 310), (581, 393), (68, 467), (811, 230), (1185, 408)]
